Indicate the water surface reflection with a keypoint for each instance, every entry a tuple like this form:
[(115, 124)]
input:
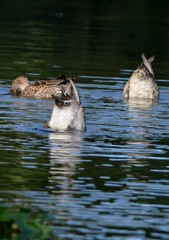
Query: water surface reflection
[(136, 103), (65, 156), (112, 181)]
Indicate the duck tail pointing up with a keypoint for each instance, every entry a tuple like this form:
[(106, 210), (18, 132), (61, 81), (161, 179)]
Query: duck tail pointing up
[(147, 63), (71, 89)]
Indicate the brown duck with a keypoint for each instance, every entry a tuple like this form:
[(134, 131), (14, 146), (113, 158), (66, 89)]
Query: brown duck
[(142, 83), (40, 89)]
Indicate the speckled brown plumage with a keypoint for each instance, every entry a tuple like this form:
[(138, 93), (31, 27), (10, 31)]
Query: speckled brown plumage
[(39, 89), (142, 83)]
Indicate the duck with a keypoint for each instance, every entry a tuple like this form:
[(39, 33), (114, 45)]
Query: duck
[(40, 89), (68, 113), (142, 83)]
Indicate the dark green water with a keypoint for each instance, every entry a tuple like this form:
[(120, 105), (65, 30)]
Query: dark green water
[(112, 182)]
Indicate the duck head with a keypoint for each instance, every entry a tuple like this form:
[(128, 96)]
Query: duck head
[(19, 84)]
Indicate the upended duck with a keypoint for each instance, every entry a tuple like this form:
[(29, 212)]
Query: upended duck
[(40, 89), (142, 83), (67, 112)]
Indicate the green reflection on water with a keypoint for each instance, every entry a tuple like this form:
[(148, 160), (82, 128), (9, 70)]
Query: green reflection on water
[(47, 38), (24, 163)]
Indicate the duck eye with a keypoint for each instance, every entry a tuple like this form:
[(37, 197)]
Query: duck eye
[(67, 103)]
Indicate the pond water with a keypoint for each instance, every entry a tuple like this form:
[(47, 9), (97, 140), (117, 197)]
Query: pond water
[(112, 181)]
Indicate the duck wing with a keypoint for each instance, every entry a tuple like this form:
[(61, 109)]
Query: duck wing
[(54, 82)]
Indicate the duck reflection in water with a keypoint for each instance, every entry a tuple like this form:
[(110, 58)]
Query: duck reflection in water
[(65, 152), (141, 103), (40, 89), (142, 83), (67, 112)]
